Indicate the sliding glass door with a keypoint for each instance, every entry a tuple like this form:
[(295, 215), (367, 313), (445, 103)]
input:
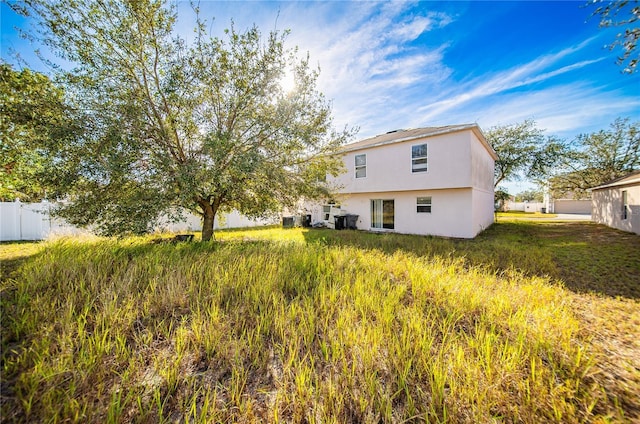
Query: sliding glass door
[(382, 213)]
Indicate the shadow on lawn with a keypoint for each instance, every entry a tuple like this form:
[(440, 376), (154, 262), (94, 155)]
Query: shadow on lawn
[(14, 253), (587, 257)]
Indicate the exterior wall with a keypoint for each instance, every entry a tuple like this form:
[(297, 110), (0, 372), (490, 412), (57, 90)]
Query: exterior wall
[(482, 167), (482, 210), (459, 180), (451, 212), (389, 166), (607, 208), (572, 206), (482, 206)]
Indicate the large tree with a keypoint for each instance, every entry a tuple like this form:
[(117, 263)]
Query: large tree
[(203, 125), (624, 14), (597, 158), (523, 151), (34, 117)]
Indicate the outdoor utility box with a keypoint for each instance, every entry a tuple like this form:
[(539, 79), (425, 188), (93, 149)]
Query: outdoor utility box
[(348, 221), (287, 222), (351, 221)]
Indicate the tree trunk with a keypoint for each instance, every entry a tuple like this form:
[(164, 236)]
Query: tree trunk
[(209, 214)]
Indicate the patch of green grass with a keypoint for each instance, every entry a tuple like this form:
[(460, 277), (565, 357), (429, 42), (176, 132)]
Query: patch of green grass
[(12, 254), (521, 215), (296, 325)]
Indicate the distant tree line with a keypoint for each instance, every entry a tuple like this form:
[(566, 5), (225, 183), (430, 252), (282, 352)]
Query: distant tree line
[(565, 166)]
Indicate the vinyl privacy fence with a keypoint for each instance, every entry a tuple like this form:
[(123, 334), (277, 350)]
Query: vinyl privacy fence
[(28, 221), (33, 221)]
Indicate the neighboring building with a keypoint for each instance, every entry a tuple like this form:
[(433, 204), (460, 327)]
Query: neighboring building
[(573, 206), (430, 181), (617, 203)]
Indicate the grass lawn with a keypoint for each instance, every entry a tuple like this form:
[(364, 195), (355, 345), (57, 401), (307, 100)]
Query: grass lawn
[(529, 322), (520, 215)]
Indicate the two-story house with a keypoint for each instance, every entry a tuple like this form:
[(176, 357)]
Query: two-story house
[(430, 181)]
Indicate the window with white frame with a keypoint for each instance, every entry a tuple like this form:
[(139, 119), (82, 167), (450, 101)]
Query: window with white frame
[(361, 166), (382, 213), (423, 204), (419, 158), (625, 204), (326, 210)]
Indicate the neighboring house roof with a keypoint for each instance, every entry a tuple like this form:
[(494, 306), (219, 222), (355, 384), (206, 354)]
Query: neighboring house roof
[(627, 180), (399, 136)]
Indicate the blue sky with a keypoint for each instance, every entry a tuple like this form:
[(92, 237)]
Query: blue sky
[(391, 65)]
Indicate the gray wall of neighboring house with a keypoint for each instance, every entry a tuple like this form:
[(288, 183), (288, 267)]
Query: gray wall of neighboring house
[(572, 206), (609, 209), (582, 207)]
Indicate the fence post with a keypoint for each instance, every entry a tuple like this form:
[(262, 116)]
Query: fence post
[(19, 216)]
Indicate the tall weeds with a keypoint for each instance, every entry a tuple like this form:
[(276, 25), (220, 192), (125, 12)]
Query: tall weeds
[(288, 326)]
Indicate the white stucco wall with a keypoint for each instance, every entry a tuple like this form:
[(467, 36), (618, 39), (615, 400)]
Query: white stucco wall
[(459, 180), (451, 212), (389, 166), (482, 166), (607, 208), (482, 210)]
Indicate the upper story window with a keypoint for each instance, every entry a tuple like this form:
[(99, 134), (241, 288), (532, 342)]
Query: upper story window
[(419, 158), (361, 166)]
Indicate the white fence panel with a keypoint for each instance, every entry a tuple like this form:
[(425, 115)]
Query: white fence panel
[(10, 221), (31, 221), (525, 206), (34, 221), (24, 221)]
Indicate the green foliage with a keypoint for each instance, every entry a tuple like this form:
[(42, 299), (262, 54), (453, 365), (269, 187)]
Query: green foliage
[(34, 119), (621, 13), (597, 158), (522, 150), (533, 195), (203, 126), (500, 197), (273, 325)]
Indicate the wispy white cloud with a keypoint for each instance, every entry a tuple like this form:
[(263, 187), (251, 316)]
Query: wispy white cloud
[(519, 76), (412, 29), (369, 66), (381, 74)]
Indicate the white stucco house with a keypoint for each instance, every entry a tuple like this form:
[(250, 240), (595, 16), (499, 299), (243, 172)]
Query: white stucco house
[(429, 181), (616, 203)]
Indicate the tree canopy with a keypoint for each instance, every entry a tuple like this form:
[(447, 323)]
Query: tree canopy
[(34, 118), (532, 195), (598, 157), (523, 151), (621, 13), (203, 125)]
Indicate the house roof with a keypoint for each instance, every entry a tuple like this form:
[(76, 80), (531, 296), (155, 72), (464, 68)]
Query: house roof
[(399, 136), (630, 179)]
